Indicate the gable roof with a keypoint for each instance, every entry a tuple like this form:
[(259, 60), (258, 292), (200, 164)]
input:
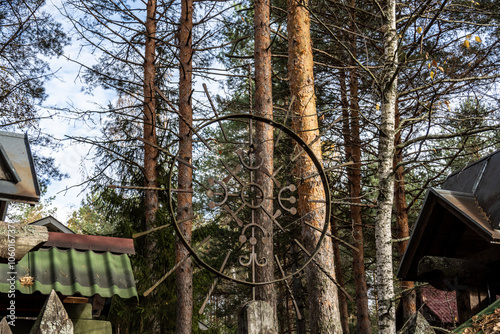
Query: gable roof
[(460, 220), (53, 225), (18, 181), (481, 180)]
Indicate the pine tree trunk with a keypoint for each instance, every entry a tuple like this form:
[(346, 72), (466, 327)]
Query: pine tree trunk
[(362, 311), (323, 300), (264, 144), (409, 298), (184, 274), (383, 236), (298, 293), (343, 307), (150, 152), (346, 131)]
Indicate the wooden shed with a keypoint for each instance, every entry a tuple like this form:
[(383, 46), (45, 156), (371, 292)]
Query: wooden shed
[(455, 243)]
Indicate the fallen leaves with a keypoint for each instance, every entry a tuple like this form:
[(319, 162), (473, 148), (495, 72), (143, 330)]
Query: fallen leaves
[(487, 324)]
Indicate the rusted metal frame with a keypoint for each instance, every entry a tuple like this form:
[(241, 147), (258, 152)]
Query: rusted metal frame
[(233, 214), (273, 217), (299, 315), (148, 291), (334, 237), (112, 186), (202, 308), (214, 110), (182, 161), (305, 148), (182, 118), (324, 271), (233, 174), (286, 118), (327, 170), (140, 234)]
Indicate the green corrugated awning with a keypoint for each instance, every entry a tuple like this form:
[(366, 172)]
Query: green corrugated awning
[(478, 329), (71, 272)]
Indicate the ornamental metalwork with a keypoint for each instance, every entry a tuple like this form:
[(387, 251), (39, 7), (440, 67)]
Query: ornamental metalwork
[(229, 200)]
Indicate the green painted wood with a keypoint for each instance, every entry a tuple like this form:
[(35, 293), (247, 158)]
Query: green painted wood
[(84, 326), (79, 311)]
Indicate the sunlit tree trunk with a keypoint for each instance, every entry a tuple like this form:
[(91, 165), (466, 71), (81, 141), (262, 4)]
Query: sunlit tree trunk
[(264, 143), (184, 274), (383, 237), (323, 299)]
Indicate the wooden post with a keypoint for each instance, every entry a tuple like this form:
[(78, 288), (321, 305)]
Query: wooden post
[(470, 301), (53, 319), (256, 317), (4, 327)]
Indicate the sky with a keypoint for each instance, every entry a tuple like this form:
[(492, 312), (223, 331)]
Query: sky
[(65, 90)]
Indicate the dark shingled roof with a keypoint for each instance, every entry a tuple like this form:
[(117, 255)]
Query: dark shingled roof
[(459, 220), (481, 179), (442, 303)]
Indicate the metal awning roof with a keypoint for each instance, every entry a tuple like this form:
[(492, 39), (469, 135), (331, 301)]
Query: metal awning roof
[(18, 180), (96, 243), (72, 272)]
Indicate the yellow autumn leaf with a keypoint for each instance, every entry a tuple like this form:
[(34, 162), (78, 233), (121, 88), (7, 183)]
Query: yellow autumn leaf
[(419, 30), (432, 75), (427, 55), (441, 69), (468, 36), (377, 106), (429, 65), (466, 43), (478, 39)]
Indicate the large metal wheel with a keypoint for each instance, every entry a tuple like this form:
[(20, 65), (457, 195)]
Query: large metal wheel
[(227, 200)]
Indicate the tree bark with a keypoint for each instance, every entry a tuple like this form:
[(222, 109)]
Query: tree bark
[(323, 299), (346, 131), (184, 274), (363, 324), (343, 307), (264, 144), (409, 297), (298, 289), (150, 151), (383, 236)]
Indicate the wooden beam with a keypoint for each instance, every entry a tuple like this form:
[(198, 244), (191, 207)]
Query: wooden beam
[(470, 301), (16, 240), (451, 274)]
